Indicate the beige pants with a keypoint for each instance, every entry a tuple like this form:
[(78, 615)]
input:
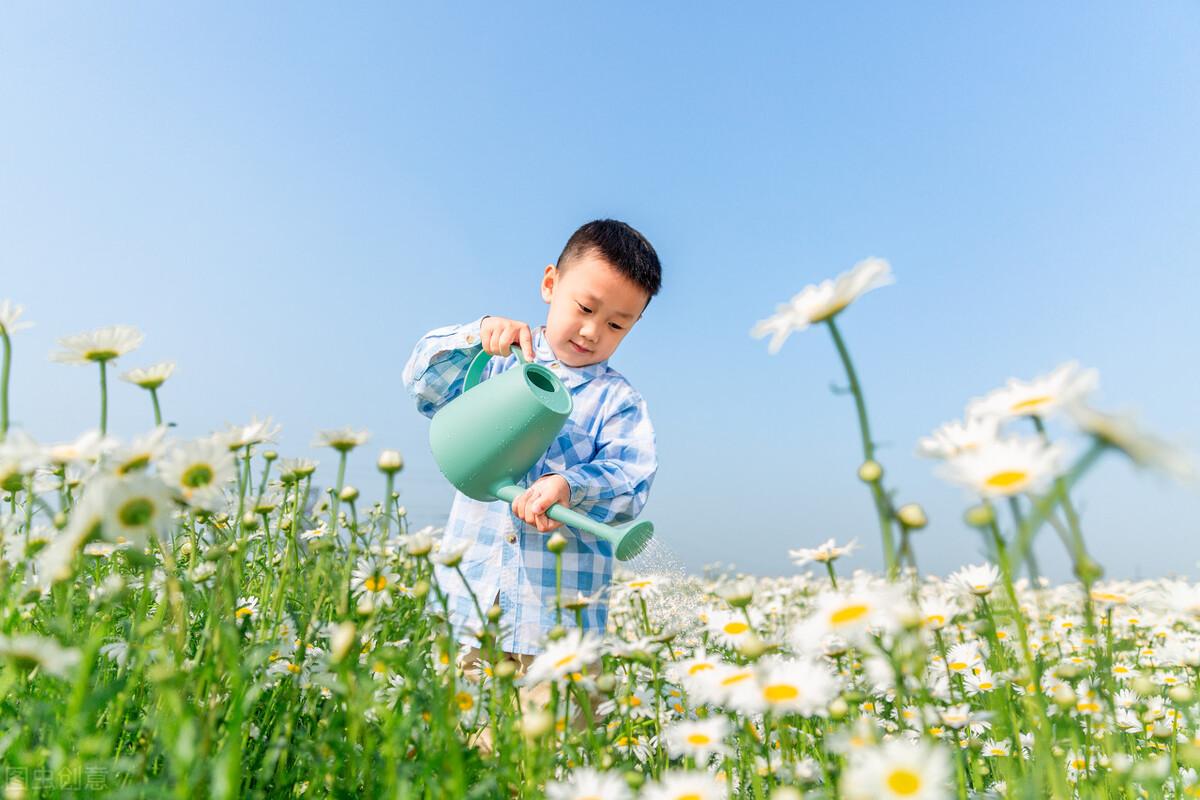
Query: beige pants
[(533, 698)]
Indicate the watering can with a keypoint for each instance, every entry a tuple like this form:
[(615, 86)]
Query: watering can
[(493, 433)]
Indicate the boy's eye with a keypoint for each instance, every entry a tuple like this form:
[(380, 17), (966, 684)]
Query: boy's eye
[(586, 310), (615, 326)]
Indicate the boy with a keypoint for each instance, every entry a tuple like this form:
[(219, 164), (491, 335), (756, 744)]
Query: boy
[(601, 464)]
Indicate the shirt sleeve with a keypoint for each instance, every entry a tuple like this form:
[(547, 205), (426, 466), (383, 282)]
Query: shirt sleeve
[(613, 486), (438, 365)]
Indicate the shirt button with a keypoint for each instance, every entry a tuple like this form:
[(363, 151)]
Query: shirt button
[(512, 538), (470, 338), (554, 365)]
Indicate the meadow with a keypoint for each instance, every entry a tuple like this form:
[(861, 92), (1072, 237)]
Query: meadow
[(211, 618)]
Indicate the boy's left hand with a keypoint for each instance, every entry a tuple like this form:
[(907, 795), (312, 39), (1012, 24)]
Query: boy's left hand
[(531, 504)]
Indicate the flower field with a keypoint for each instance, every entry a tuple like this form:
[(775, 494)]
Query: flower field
[(210, 618)]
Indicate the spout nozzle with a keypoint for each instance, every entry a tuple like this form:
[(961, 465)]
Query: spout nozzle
[(634, 540)]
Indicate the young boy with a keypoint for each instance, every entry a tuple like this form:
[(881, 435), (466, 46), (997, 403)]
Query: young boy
[(601, 464)]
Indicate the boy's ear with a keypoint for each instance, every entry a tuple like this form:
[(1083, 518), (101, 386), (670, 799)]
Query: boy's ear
[(549, 277)]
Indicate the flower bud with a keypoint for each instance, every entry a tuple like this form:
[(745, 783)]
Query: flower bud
[(556, 633), (606, 683), (1181, 694), (751, 646), (270, 455), (980, 516), (1144, 686), (912, 516), (390, 462), (249, 521), (870, 471), (556, 543), (536, 724), (341, 640), (493, 613), (838, 708), (420, 589), (1064, 696), (401, 512), (60, 522), (505, 669), (348, 494)]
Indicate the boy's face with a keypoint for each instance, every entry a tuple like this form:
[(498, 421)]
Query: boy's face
[(592, 308)]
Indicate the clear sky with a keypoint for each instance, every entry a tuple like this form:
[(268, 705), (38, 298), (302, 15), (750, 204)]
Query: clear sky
[(284, 197)]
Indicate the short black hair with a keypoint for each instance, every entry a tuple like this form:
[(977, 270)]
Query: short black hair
[(629, 252)]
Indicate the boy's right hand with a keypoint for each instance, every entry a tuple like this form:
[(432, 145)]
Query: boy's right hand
[(496, 334)]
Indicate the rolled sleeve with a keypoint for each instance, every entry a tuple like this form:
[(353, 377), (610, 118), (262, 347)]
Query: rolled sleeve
[(438, 365), (614, 485)]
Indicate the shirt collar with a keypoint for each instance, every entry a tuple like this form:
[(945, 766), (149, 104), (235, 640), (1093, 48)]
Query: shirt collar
[(570, 376)]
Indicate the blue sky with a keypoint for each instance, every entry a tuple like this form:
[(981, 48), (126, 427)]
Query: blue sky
[(285, 197)]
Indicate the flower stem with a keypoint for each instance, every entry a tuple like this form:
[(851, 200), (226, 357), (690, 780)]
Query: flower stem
[(868, 446), (103, 398), (7, 364), (157, 410)]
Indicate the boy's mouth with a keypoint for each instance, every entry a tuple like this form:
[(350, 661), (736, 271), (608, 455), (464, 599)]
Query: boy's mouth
[(578, 349)]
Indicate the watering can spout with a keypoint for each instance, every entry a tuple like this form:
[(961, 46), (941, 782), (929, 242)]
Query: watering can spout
[(628, 540), (489, 437)]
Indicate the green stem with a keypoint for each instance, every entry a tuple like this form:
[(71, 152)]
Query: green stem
[(4, 370), (103, 398), (868, 447), (1043, 506), (157, 408)]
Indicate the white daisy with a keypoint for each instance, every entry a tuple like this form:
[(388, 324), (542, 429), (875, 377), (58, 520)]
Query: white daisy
[(823, 553), (975, 579), (199, 470), (30, 650), (901, 770), (256, 431), (851, 616), (373, 580), (1040, 397), (140, 453), (10, 316), (956, 437), (1005, 467), (102, 344), (136, 507), (341, 439), (586, 783), (150, 377), (681, 785), (572, 653), (698, 739), (784, 687), (819, 302), (1123, 432)]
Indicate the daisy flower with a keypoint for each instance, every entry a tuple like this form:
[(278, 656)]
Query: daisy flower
[(899, 770), (84, 450), (293, 469), (1122, 432), (851, 616), (199, 470), (728, 628), (256, 431), (976, 579), (819, 302), (10, 316), (246, 610), (150, 377), (136, 507), (698, 739), (140, 453), (372, 579), (1005, 467), (683, 785), (102, 344), (955, 438), (572, 653), (1040, 397), (786, 686), (30, 650), (341, 439), (823, 553), (588, 784)]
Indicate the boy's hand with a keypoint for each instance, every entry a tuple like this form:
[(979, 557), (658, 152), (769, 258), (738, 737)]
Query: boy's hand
[(531, 504), (497, 333)]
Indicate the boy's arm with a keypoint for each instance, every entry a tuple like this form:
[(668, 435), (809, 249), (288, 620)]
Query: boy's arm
[(438, 365), (615, 484)]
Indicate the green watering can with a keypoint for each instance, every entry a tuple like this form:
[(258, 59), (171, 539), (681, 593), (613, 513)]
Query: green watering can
[(493, 433)]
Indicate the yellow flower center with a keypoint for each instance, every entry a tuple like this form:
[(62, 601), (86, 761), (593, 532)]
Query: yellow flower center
[(375, 583), (562, 662), (1006, 479), (692, 670), (734, 628), (698, 738), (244, 611), (732, 679), (780, 692), (1031, 402), (848, 614), (958, 666), (904, 781)]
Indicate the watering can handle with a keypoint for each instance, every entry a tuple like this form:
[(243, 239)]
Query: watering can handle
[(475, 371)]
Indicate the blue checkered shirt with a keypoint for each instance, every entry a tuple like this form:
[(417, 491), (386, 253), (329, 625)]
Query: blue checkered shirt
[(606, 452)]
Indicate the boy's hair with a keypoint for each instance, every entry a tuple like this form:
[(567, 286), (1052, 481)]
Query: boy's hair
[(619, 244)]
